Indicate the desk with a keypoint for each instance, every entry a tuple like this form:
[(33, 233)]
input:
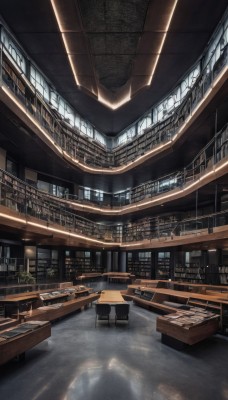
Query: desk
[(111, 297)]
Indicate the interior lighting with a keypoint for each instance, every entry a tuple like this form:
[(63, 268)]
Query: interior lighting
[(116, 105), (57, 16), (162, 42), (11, 218), (70, 234)]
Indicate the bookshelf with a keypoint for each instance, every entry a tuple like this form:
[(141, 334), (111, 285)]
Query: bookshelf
[(82, 262), (191, 273), (140, 264), (163, 269)]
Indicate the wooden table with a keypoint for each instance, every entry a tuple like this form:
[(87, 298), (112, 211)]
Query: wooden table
[(111, 297)]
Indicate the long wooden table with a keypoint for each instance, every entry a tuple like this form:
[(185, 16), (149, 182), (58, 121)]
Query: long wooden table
[(111, 297)]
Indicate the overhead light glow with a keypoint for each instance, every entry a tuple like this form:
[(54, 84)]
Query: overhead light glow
[(57, 16), (116, 105), (162, 42)]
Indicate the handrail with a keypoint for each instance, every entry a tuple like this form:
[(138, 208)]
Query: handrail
[(28, 201)]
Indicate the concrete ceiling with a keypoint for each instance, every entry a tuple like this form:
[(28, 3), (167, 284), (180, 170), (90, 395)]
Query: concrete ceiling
[(112, 45)]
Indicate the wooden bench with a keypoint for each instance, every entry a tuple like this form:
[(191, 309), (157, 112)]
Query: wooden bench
[(51, 313), (16, 346)]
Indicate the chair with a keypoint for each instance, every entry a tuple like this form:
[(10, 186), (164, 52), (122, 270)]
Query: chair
[(122, 312), (103, 311)]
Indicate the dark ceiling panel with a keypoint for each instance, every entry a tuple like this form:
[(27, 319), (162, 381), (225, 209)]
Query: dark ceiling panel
[(137, 83), (55, 67), (76, 42), (113, 43), (42, 43), (113, 70), (198, 15), (113, 16), (143, 64), (121, 24), (181, 43), (28, 15)]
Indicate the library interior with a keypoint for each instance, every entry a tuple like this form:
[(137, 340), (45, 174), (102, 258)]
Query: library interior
[(113, 199)]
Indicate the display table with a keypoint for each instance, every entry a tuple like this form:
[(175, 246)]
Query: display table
[(15, 341), (187, 327), (13, 305)]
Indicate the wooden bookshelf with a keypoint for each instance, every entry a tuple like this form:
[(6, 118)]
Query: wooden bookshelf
[(139, 264)]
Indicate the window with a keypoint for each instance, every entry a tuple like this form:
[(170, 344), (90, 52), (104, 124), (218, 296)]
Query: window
[(144, 123), (13, 50), (11, 167), (54, 99), (39, 83), (100, 138), (87, 193)]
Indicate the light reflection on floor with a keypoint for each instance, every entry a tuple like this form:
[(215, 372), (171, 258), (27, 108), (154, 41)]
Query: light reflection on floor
[(113, 380)]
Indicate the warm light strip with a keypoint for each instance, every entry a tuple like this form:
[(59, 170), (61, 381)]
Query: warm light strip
[(162, 43), (221, 166), (155, 200), (74, 235), (116, 105), (65, 42), (92, 169), (63, 232), (134, 244), (10, 217)]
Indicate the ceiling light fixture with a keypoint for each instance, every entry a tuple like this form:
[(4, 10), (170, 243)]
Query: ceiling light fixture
[(57, 16), (116, 105), (162, 42)]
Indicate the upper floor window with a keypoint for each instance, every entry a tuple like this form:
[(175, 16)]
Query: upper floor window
[(144, 123), (13, 50), (39, 83)]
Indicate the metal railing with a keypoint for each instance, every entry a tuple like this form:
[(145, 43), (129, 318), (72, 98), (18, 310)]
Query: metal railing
[(79, 147)]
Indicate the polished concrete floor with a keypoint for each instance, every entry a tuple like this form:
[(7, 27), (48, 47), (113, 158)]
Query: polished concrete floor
[(127, 362)]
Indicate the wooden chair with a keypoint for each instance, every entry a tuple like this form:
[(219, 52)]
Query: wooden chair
[(122, 312), (103, 311)]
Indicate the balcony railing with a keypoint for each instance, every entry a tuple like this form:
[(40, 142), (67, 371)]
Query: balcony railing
[(88, 152)]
